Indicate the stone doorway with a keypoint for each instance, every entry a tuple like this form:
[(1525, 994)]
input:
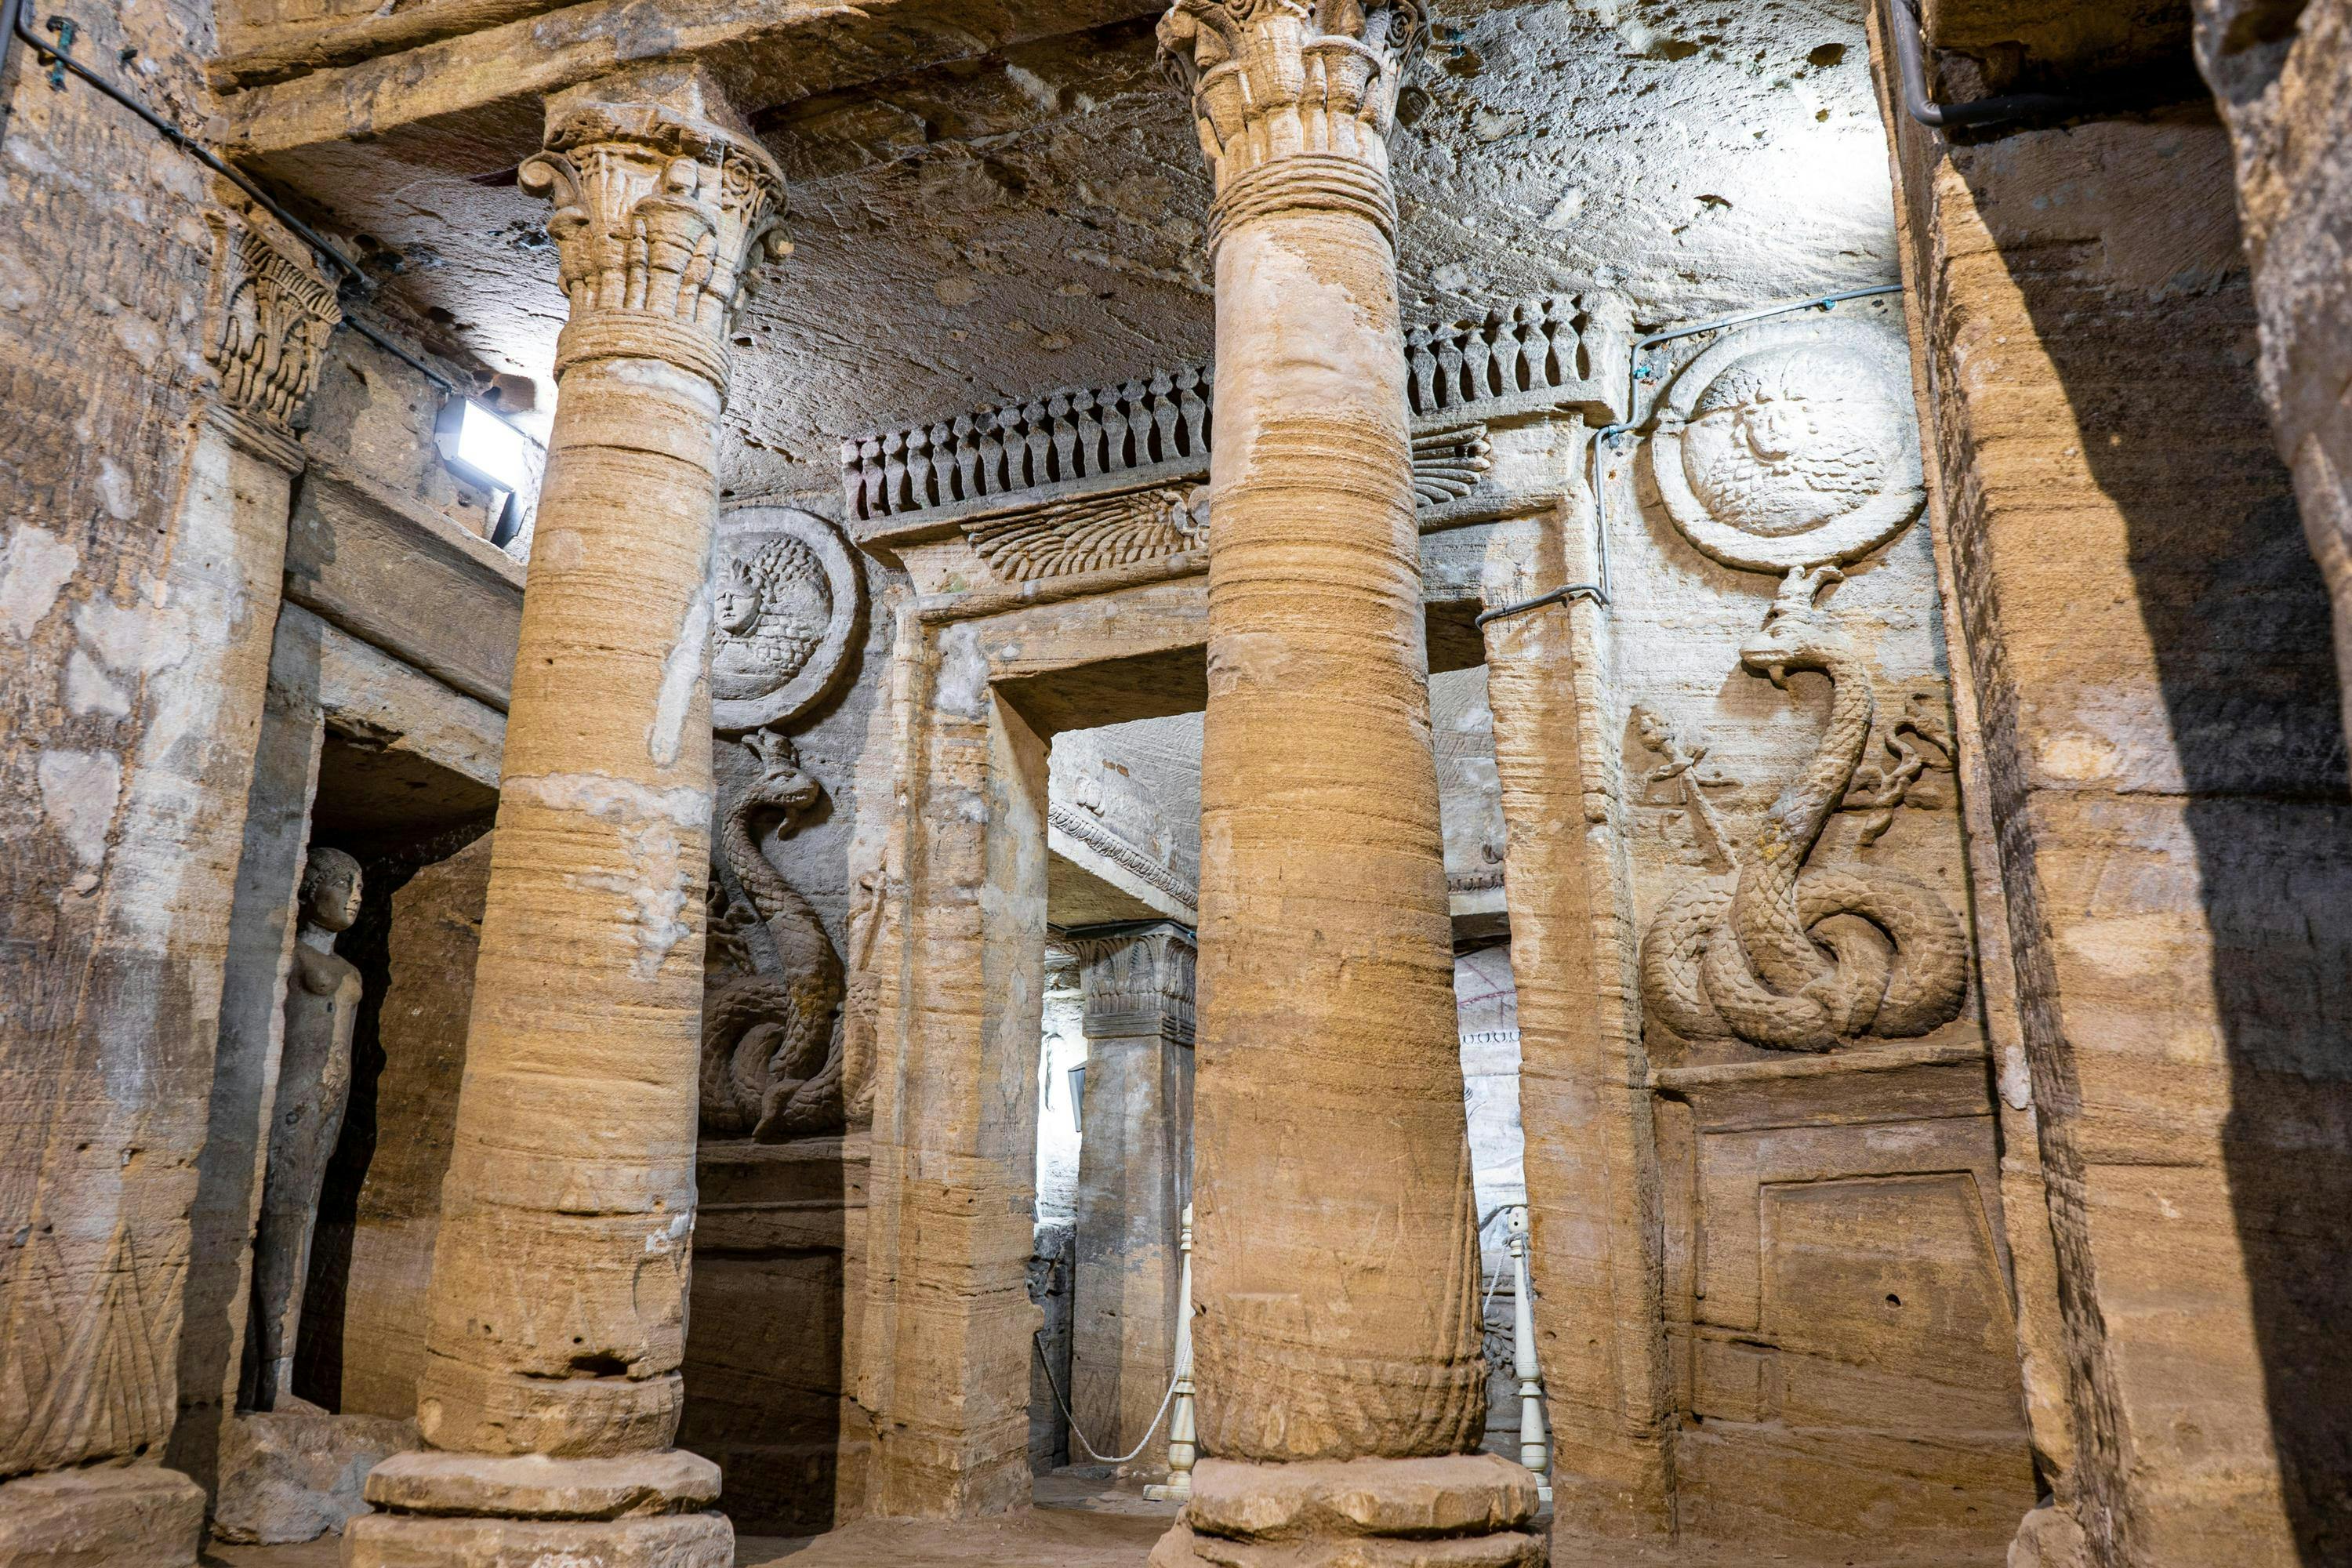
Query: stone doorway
[(1114, 1111)]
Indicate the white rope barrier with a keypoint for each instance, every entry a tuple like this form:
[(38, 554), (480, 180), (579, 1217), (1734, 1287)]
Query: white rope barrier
[(1535, 1451), (1183, 1445), (1092, 1452)]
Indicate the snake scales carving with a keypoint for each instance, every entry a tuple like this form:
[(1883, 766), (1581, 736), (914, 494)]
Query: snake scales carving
[(772, 1055), (1768, 959)]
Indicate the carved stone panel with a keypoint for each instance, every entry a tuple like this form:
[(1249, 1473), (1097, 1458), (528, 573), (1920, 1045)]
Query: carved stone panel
[(787, 602), (1834, 1273), (1791, 445)]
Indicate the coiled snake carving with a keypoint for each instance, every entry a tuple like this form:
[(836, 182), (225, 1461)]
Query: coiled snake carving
[(772, 1055), (1767, 960)]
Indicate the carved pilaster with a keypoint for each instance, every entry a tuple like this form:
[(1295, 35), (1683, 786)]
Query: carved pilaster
[(1295, 99), (268, 319), (660, 219)]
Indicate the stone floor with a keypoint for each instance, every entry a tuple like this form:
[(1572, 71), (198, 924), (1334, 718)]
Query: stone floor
[(1080, 1523), (1046, 1538), (1085, 1523)]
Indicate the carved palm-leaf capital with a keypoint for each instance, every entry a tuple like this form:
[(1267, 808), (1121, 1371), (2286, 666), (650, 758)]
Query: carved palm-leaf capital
[(657, 215), (269, 314), (1271, 80)]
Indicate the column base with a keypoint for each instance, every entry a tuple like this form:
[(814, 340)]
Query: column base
[(471, 1510), (1464, 1511), (139, 1516)]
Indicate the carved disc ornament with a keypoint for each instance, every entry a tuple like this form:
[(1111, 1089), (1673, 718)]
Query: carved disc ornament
[(1791, 446), (786, 603)]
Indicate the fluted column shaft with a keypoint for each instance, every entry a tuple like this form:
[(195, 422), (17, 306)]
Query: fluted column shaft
[(1333, 1212), (558, 1303)]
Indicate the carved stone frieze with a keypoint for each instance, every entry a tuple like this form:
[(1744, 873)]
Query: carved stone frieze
[(660, 220), (1074, 536), (1111, 846), (1784, 954), (1138, 982), (1091, 533), (787, 601), (271, 314), (1792, 446)]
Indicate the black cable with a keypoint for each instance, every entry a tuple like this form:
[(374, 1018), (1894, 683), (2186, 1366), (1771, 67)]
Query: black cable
[(1902, 21)]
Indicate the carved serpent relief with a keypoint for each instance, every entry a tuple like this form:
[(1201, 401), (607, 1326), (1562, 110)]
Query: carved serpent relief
[(1804, 959), (772, 1044)]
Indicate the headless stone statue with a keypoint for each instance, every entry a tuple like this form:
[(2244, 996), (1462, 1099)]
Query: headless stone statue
[(314, 1077)]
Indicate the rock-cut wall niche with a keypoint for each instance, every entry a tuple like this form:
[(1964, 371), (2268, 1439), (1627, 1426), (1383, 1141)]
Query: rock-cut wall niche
[(1839, 1330)]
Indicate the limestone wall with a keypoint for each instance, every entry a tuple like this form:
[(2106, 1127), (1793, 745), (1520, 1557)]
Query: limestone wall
[(137, 590), (2283, 75), (2150, 690)]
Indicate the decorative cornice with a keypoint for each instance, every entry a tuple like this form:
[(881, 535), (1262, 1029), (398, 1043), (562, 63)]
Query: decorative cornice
[(660, 221), (1546, 355), (1109, 846), (268, 318), (1295, 101)]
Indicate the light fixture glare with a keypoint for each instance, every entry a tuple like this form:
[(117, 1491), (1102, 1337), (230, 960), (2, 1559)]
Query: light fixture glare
[(491, 448)]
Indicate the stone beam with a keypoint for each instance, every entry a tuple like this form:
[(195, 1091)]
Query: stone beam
[(473, 101), (2061, 38)]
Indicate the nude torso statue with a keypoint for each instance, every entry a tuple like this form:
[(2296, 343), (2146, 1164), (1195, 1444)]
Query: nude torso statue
[(314, 1077)]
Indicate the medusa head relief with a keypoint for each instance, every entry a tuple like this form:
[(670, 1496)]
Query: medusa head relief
[(785, 600)]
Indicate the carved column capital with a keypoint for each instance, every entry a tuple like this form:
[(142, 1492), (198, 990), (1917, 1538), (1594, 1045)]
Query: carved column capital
[(1139, 982), (1295, 99), (660, 219), (267, 317)]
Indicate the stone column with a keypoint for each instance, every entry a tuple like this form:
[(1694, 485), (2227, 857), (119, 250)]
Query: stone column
[(115, 915), (1134, 1175), (2154, 711), (551, 1388), (1342, 1389)]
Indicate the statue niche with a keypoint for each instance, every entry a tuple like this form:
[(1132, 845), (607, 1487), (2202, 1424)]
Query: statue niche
[(314, 1080)]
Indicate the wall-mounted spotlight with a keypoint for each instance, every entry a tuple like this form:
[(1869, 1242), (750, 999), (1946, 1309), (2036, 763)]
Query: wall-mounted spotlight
[(487, 451)]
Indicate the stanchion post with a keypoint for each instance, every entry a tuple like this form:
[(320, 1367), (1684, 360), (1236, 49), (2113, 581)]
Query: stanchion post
[(1182, 1448), (1534, 1452)]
